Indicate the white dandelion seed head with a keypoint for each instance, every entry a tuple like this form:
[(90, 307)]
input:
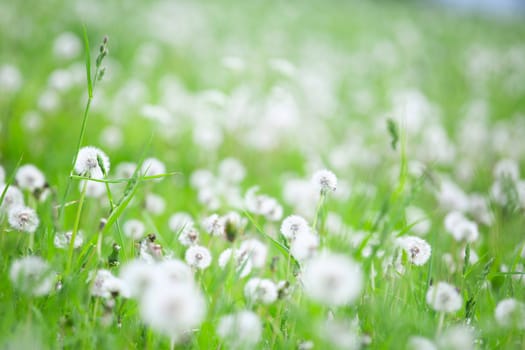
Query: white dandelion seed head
[(240, 260), (138, 276), (198, 257), (152, 167), (260, 290), (154, 204), (451, 197), (241, 330), (180, 222), (63, 240), (231, 170), (10, 78), (23, 219), (480, 209), (510, 313), (32, 275), (294, 225), (67, 46), (99, 283), (111, 137), (189, 237), (324, 181), (13, 198), (261, 204), (452, 219), (417, 249), (29, 177), (134, 229), (202, 178), (341, 334), (93, 189), (465, 231), (256, 250), (304, 246), (332, 279), (125, 170), (459, 337), (418, 219), (176, 271), (507, 168), (173, 310), (420, 343), (214, 225), (92, 162), (444, 297)]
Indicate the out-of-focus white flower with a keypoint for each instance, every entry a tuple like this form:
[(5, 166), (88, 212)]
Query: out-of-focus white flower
[(465, 230), (198, 257), (459, 337), (324, 181), (23, 219), (214, 225), (10, 78), (261, 204), (134, 229), (260, 290), (304, 246), (240, 260), (155, 204), (189, 237), (507, 168), (105, 285), (111, 137), (152, 167), (29, 177), (341, 334), (420, 343), (94, 189), (451, 197), (417, 249), (180, 222), (231, 170), (294, 225), (67, 46), (139, 275), (444, 297), (256, 251), (510, 313), (173, 310), (32, 275), (332, 279), (62, 240), (242, 330), (13, 198), (92, 162), (418, 219), (125, 170)]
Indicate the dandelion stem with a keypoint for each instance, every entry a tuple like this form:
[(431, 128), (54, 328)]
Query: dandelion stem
[(440, 324), (318, 210), (76, 225)]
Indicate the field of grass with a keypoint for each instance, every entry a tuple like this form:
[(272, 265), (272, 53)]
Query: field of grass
[(351, 157)]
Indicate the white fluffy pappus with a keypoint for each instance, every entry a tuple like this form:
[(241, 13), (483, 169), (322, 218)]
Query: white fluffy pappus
[(92, 162), (444, 297), (33, 275), (241, 330), (332, 279), (23, 219), (260, 290)]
